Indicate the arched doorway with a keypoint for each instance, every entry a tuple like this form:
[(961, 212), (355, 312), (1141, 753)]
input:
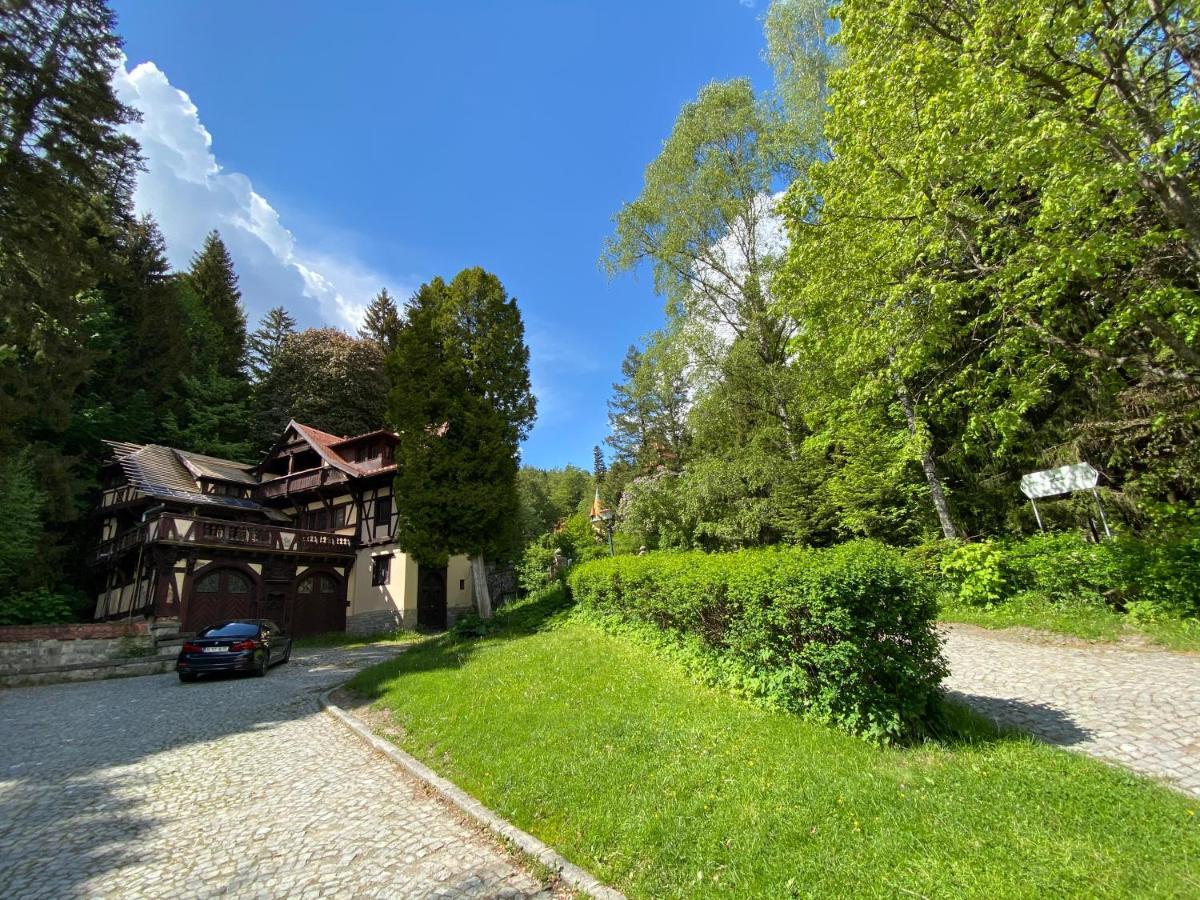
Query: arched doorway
[(219, 594), (319, 605)]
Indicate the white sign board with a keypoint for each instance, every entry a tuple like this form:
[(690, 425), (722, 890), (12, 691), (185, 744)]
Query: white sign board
[(1063, 480)]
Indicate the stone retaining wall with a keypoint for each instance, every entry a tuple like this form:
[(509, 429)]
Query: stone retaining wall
[(377, 621), (41, 654), (72, 631)]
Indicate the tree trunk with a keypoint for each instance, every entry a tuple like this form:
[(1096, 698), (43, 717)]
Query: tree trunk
[(483, 598), (928, 463)]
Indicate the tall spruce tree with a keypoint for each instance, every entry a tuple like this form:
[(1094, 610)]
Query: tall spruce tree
[(462, 404), (599, 469), (144, 353), (267, 340), (381, 321), (66, 175), (647, 414), (215, 284), (213, 412)]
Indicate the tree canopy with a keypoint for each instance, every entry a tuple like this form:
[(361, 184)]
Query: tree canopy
[(324, 378), (461, 403)]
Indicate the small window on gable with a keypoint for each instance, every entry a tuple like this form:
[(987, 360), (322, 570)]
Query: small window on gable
[(381, 570)]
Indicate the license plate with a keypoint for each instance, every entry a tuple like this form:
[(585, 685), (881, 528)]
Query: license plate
[(216, 649)]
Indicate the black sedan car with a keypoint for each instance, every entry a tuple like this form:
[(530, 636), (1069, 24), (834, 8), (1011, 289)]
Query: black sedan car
[(243, 645)]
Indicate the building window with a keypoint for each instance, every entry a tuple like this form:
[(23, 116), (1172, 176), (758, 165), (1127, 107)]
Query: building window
[(318, 584), (383, 513), (339, 517), (381, 570)]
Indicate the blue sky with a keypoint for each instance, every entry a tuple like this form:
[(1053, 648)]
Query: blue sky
[(342, 147)]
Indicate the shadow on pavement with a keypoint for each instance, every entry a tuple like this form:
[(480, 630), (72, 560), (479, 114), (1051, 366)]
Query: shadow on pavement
[(1045, 722), (68, 810)]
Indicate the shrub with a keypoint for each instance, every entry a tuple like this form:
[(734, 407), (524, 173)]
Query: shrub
[(844, 635), (533, 571), (979, 573), (37, 607), (1162, 574)]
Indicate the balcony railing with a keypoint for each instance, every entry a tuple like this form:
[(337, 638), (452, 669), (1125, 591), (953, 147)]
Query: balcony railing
[(189, 530), (298, 481)]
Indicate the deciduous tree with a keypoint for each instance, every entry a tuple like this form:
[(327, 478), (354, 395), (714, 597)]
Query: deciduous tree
[(324, 378)]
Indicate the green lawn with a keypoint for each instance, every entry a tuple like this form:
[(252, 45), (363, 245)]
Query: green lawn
[(1083, 620), (607, 751), (350, 641)]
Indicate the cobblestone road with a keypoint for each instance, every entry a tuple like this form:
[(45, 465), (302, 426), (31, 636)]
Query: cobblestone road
[(1140, 708), (144, 787)]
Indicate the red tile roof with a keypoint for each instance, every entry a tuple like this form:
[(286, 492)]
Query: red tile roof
[(324, 443)]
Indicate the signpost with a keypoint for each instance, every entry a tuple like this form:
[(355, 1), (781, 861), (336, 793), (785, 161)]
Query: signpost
[(1063, 480)]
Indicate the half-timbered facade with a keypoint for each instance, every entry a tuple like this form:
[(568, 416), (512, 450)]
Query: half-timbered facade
[(305, 538)]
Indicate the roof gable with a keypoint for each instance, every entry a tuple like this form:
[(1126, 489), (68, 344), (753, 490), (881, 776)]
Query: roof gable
[(160, 472)]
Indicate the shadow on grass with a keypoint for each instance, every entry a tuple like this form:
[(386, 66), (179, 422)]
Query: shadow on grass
[(454, 648), (960, 720)]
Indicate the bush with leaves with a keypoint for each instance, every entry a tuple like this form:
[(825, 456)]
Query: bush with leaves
[(844, 635), (574, 541), (1153, 578), (41, 606), (978, 571)]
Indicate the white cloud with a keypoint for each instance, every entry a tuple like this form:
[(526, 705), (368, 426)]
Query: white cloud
[(189, 193)]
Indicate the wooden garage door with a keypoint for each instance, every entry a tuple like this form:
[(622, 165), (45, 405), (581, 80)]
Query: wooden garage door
[(319, 606), (217, 596)]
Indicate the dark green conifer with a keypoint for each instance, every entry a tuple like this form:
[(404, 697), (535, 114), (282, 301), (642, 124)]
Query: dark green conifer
[(215, 283)]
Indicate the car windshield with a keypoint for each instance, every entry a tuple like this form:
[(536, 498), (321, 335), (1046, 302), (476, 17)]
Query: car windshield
[(230, 630)]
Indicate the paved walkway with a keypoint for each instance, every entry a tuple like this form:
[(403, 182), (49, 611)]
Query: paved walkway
[(1140, 708), (144, 787)]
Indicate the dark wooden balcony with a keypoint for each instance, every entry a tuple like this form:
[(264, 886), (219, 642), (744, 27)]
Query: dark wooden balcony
[(297, 482), (218, 534)]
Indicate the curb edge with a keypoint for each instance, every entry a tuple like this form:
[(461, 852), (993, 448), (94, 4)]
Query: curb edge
[(574, 876)]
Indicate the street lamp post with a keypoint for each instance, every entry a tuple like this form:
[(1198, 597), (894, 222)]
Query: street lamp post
[(603, 518)]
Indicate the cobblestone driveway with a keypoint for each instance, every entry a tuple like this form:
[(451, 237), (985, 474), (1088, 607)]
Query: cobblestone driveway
[(1140, 708), (145, 787)]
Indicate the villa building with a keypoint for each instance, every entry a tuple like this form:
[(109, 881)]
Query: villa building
[(305, 538)]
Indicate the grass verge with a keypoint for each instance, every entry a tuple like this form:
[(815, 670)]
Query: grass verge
[(351, 641), (605, 749), (1082, 620)]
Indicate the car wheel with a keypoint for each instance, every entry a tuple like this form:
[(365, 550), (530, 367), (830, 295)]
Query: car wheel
[(261, 670), (287, 655), (187, 677)]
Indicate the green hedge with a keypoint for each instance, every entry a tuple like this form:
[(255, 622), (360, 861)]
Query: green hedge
[(1064, 568), (844, 635)]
